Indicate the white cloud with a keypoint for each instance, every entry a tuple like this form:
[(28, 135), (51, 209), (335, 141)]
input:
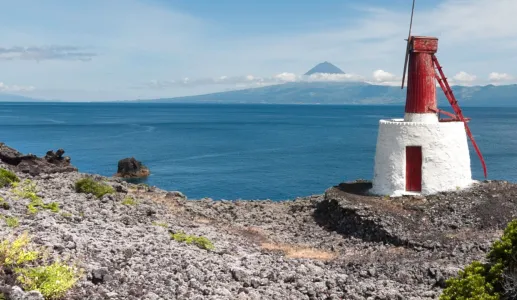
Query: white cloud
[(464, 77), (251, 80), (286, 77), (494, 76), (328, 77), (15, 88), (383, 76)]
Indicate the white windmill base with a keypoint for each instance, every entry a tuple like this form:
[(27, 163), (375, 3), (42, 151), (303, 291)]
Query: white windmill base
[(445, 157)]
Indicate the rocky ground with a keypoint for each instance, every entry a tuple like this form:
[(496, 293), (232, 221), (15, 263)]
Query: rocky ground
[(339, 245)]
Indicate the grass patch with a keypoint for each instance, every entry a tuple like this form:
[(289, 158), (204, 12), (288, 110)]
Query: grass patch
[(27, 190), (90, 186), (66, 215), (161, 224), (200, 241), (34, 206), (294, 251), (7, 178), (129, 201), (52, 281), (10, 221)]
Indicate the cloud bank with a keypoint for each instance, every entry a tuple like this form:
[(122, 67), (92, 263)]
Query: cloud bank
[(46, 53), (499, 77), (252, 81), (15, 88)]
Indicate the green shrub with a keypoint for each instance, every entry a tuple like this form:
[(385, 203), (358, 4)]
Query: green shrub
[(17, 252), (11, 221), (129, 201), (488, 281), (90, 186), (470, 284), (7, 178), (52, 281), (200, 241)]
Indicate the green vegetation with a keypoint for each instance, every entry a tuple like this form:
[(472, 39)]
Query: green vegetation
[(161, 224), (90, 186), (27, 190), (200, 241), (52, 281), (493, 280), (10, 221), (4, 204), (66, 214), (129, 201), (17, 252), (7, 178), (31, 271), (35, 204)]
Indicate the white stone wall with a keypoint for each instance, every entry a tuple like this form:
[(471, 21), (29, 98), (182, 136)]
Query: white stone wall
[(445, 156)]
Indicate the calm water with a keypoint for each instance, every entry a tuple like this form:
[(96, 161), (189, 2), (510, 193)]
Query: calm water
[(235, 151)]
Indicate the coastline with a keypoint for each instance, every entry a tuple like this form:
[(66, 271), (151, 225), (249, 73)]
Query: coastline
[(336, 245)]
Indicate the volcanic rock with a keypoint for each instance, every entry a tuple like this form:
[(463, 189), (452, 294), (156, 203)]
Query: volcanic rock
[(131, 168), (343, 244), (33, 165)]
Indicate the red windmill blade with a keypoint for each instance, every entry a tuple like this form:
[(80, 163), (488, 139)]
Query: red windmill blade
[(444, 84)]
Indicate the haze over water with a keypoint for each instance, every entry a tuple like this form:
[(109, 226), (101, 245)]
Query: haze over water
[(235, 151)]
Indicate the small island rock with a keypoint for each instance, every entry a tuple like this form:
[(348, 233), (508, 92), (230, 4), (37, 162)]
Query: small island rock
[(131, 168)]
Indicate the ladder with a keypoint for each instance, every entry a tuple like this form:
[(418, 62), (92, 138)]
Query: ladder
[(444, 84)]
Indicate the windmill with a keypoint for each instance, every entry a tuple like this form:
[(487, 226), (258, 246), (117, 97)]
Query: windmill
[(423, 153), (444, 84)]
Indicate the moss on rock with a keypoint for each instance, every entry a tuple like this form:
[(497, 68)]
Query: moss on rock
[(90, 186), (7, 178)]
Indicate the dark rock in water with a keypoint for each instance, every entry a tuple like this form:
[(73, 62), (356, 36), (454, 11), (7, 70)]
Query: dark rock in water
[(33, 165), (131, 168)]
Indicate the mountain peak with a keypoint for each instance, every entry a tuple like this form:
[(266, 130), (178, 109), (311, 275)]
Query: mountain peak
[(325, 67)]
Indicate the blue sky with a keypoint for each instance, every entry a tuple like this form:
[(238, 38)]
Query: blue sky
[(129, 49)]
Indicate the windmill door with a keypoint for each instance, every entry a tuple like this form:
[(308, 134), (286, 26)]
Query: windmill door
[(413, 168)]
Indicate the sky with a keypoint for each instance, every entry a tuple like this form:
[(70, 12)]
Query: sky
[(97, 50)]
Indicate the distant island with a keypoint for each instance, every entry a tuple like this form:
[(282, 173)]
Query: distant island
[(350, 93), (337, 93)]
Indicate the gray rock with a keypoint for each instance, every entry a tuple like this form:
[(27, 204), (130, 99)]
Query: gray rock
[(17, 293)]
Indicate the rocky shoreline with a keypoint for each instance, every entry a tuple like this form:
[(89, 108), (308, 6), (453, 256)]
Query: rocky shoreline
[(338, 245)]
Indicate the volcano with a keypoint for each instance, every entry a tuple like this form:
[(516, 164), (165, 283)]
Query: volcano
[(325, 67)]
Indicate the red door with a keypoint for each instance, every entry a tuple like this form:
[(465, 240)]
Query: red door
[(413, 168)]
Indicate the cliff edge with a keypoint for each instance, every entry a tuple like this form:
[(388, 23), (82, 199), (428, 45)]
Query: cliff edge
[(135, 241)]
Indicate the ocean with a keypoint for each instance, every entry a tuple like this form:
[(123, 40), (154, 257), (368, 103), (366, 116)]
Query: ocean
[(236, 151)]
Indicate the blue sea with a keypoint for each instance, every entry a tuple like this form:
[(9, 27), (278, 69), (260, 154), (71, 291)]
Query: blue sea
[(235, 151)]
